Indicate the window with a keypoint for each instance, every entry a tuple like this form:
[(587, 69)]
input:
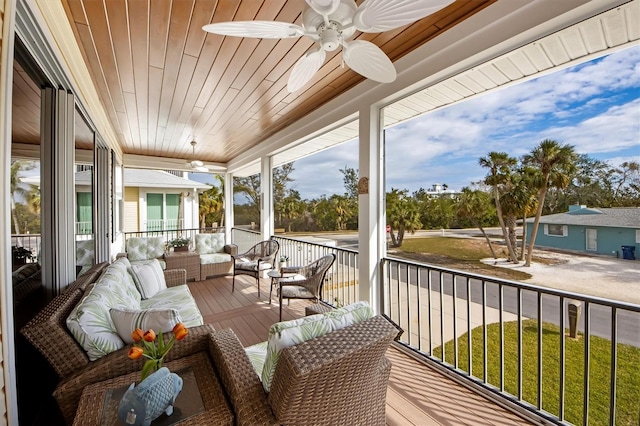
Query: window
[(84, 213), (638, 236), (163, 211), (556, 230)]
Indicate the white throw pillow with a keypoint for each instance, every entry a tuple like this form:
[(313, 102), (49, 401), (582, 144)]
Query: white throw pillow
[(127, 320), (148, 277)]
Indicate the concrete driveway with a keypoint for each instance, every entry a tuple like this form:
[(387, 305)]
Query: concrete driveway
[(609, 278)]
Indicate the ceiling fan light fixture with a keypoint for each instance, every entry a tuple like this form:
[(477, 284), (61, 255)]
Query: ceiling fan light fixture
[(330, 36), (196, 165), (331, 23)]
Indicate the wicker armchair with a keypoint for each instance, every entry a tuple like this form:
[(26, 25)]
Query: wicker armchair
[(254, 261), (339, 378), (308, 281)]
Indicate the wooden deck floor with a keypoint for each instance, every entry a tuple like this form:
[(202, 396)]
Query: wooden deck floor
[(417, 394)]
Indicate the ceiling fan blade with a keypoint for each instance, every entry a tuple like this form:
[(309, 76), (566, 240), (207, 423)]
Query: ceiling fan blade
[(369, 60), (375, 16), (305, 68), (201, 169), (259, 29), (324, 7)]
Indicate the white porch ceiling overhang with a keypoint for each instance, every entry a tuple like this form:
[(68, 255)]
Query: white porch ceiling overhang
[(579, 35)]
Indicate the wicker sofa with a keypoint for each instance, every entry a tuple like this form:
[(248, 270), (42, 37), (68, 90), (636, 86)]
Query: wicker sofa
[(49, 334), (338, 378)]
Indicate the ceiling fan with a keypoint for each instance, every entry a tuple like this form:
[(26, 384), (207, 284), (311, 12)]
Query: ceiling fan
[(330, 23), (196, 165)]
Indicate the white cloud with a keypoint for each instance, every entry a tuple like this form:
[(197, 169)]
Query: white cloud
[(616, 129), (594, 106)]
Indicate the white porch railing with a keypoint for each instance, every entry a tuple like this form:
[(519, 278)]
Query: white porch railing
[(164, 224), (473, 326), (511, 340)]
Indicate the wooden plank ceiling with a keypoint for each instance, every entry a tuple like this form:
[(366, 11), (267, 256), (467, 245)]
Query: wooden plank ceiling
[(163, 81)]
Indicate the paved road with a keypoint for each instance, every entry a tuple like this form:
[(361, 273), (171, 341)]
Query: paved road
[(628, 322)]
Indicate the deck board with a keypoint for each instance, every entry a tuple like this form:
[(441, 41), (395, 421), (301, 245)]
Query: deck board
[(417, 394)]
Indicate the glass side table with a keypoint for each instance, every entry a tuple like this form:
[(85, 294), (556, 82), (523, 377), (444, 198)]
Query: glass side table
[(201, 400)]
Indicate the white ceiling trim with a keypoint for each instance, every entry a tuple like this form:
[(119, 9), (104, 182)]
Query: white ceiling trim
[(598, 36), (135, 161)]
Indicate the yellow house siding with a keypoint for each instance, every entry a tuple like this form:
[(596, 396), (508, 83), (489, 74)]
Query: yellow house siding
[(131, 210)]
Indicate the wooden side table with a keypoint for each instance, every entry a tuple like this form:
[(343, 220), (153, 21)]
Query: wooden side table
[(184, 260), (99, 404)]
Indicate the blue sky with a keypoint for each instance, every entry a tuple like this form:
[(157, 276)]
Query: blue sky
[(594, 106)]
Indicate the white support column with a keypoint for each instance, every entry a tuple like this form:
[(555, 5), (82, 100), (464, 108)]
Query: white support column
[(102, 203), (371, 226), (228, 206), (8, 394), (58, 189), (266, 198)]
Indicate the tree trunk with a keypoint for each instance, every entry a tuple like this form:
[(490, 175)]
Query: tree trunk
[(400, 236), (536, 223), (486, 237), (524, 236), (512, 254), (511, 227), (394, 241), (13, 216)]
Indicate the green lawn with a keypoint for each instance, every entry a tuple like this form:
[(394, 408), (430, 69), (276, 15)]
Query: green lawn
[(458, 253), (628, 377)]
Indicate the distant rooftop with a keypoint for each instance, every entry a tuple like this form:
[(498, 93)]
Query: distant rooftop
[(619, 217), (146, 178)]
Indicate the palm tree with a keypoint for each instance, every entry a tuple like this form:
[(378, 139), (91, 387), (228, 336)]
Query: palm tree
[(342, 209), (474, 205), (209, 203), (403, 215), (292, 207), (499, 165), (220, 179), (518, 201), (17, 187), (554, 164)]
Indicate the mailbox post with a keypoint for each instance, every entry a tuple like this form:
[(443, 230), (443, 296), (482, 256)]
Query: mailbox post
[(575, 309)]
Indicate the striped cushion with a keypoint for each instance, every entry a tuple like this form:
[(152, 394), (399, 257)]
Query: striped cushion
[(156, 319), (257, 355), (180, 298), (148, 277)]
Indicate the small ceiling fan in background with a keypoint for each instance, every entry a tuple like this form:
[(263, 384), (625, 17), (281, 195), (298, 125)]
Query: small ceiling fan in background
[(330, 23), (196, 165)]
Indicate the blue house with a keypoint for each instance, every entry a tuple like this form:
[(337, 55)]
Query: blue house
[(591, 230)]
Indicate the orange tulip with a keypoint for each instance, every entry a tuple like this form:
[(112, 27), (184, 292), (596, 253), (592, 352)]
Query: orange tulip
[(137, 334), (149, 336), (180, 331), (135, 352)]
